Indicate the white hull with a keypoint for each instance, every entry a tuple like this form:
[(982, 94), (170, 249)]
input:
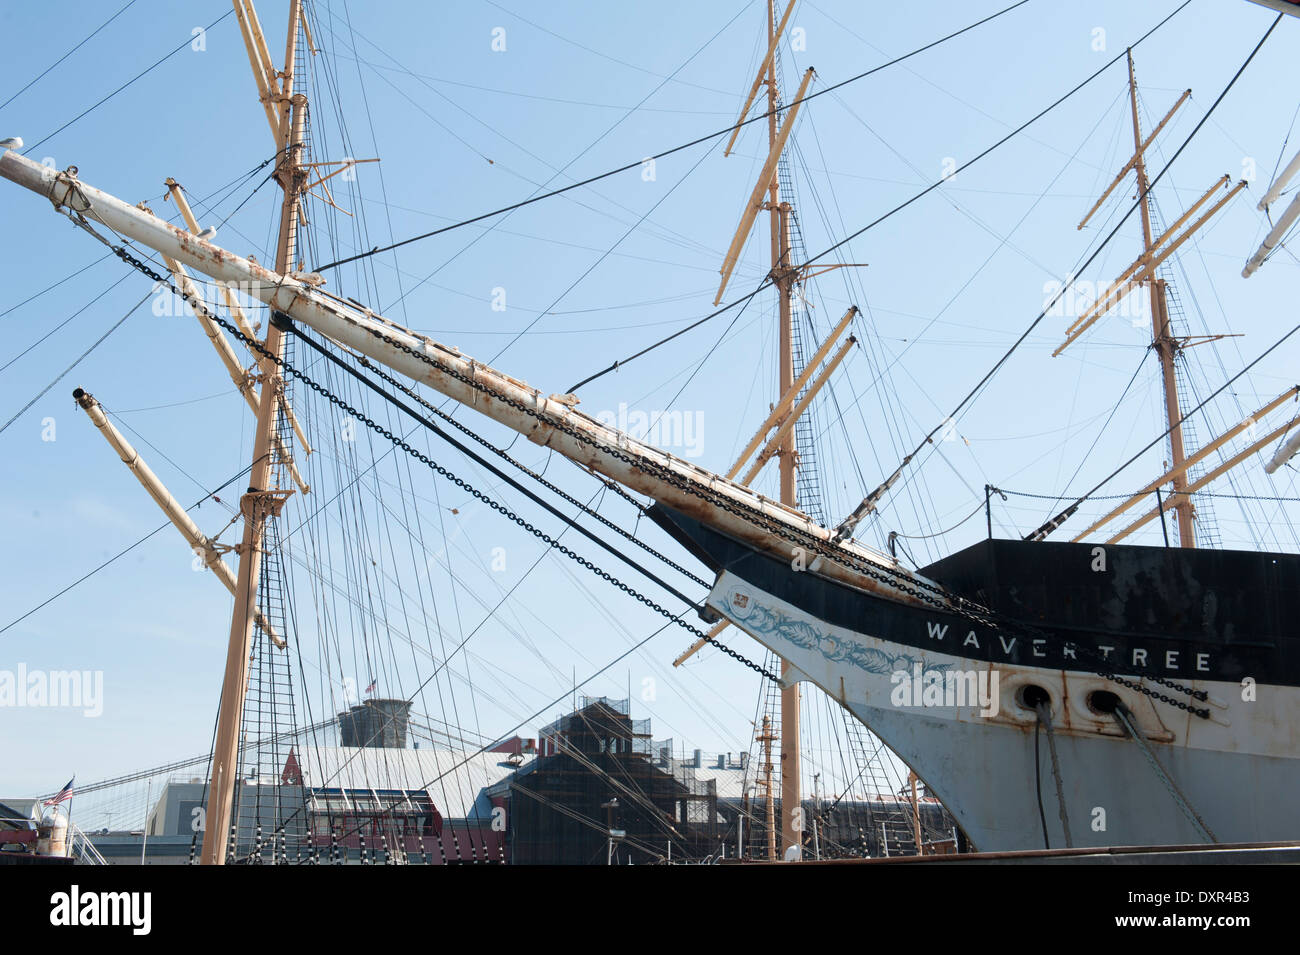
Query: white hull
[(1235, 770)]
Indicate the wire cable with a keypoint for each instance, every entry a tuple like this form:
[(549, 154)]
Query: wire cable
[(928, 439), (124, 552), (148, 69), (903, 205), (122, 10), (675, 149), (99, 341)]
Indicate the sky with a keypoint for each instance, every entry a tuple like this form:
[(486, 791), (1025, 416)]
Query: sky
[(472, 107)]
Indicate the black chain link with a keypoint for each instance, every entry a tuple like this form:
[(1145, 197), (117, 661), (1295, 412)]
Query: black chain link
[(505, 456), (200, 308), (951, 602)]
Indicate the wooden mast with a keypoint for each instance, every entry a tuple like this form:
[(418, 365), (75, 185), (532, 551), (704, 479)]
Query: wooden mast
[(1165, 345), (766, 738), (261, 501), (783, 276)]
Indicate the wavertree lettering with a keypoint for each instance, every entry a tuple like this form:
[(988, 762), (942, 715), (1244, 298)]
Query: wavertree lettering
[(1027, 649)]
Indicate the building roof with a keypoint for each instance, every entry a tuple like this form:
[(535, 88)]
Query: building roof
[(730, 782), (454, 779)]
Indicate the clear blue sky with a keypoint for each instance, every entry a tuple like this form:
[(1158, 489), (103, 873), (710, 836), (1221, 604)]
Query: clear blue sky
[(461, 129)]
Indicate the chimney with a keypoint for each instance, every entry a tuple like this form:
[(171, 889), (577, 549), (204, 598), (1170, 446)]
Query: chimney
[(697, 761)]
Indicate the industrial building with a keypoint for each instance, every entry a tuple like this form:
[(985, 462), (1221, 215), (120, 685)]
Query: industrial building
[(594, 787)]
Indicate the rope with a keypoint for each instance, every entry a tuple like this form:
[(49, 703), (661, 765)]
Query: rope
[(1045, 718), (1038, 785), (1122, 716)]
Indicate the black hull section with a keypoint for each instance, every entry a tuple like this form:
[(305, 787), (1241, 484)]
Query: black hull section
[(1148, 611)]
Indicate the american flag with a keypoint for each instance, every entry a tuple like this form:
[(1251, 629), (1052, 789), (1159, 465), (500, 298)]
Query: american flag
[(371, 687), (62, 795)]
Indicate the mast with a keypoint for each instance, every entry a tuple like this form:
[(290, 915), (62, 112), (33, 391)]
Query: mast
[(548, 421), (1165, 345), (1143, 273), (261, 502), (766, 737), (783, 278)]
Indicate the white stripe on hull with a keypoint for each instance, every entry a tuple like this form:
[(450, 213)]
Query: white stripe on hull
[(1237, 770)]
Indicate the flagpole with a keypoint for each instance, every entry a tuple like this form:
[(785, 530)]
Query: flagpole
[(72, 839)]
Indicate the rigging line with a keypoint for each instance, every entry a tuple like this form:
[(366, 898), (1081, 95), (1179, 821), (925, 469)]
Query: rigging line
[(1164, 434), (162, 454), (602, 257), (1141, 362), (99, 341), (383, 183), (1281, 152), (612, 59), (945, 92), (896, 359), (486, 464), (557, 701), (269, 176), (1115, 231), (123, 9), (555, 171), (523, 95), (174, 404), (676, 149), (586, 149), (539, 477), (656, 667), (56, 328), (1271, 498), (743, 302), (123, 553), (699, 366), (148, 69), (916, 537), (901, 206), (50, 288)]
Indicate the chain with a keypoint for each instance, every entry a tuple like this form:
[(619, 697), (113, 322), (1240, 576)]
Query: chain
[(924, 592), (892, 578), (424, 459), (1272, 498), (505, 456)]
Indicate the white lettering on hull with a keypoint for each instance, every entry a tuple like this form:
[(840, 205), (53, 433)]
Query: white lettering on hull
[(1140, 658)]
